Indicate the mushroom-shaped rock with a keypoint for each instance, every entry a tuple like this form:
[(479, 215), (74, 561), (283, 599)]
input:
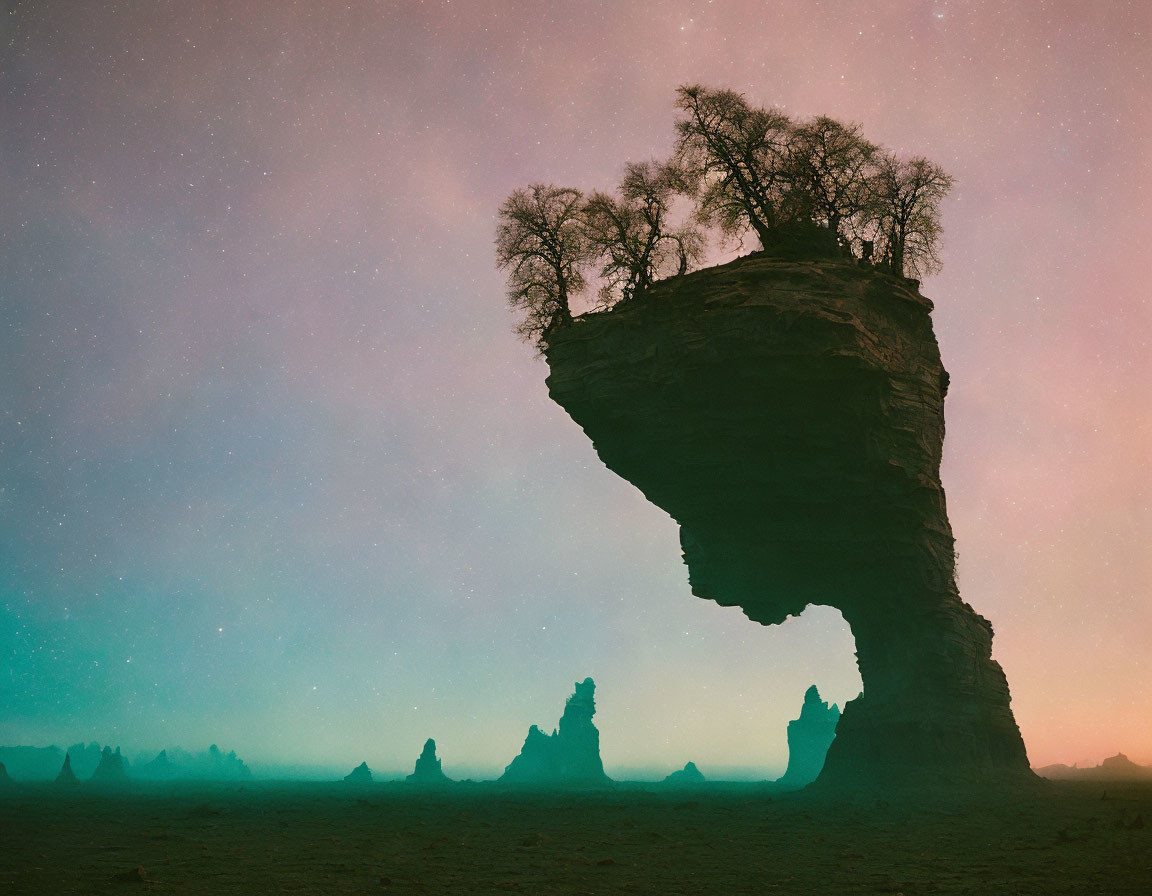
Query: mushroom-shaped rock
[(789, 415), (428, 769), (362, 774)]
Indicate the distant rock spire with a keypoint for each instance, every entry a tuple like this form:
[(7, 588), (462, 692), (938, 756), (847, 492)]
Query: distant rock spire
[(428, 769), (111, 768), (66, 776), (359, 775), (570, 755), (809, 738), (687, 777)]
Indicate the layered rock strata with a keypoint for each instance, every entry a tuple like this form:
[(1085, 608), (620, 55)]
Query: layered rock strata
[(790, 416)]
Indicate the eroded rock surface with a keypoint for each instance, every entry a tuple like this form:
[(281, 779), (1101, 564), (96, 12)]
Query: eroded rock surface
[(790, 417), (570, 755)]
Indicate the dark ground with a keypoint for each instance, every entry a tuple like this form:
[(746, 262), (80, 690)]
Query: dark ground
[(1054, 838)]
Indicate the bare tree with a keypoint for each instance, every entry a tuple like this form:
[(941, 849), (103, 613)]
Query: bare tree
[(830, 166), (809, 190), (632, 235), (541, 241), (906, 196), (733, 154)]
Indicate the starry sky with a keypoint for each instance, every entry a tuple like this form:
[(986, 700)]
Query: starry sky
[(275, 473)]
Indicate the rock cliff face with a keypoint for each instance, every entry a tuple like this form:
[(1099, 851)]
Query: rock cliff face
[(809, 738), (570, 755), (790, 417)]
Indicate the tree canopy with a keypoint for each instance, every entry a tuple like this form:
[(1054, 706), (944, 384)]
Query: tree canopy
[(631, 235), (542, 242), (738, 169)]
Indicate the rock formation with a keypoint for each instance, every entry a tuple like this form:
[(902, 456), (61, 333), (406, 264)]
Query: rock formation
[(689, 776), (111, 768), (174, 763), (221, 766), (32, 763), (790, 416), (363, 775), (428, 769), (5, 779), (1114, 768), (1121, 767), (158, 769), (809, 738), (570, 755), (66, 776), (85, 758)]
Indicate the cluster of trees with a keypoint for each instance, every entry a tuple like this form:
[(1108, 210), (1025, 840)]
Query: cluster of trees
[(745, 170)]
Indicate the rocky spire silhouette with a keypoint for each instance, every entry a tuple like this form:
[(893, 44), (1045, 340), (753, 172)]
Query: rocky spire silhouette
[(809, 738), (66, 776), (111, 768), (359, 775), (570, 755), (428, 769)]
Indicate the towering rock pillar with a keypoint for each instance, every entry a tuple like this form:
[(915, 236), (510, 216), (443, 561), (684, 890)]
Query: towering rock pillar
[(790, 417), (570, 755), (809, 737), (428, 770)]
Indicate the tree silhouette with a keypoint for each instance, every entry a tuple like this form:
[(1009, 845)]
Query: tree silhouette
[(829, 167), (905, 212), (631, 232), (542, 242), (734, 156), (808, 190)]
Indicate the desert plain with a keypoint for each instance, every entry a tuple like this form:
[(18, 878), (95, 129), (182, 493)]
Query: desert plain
[(263, 837)]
